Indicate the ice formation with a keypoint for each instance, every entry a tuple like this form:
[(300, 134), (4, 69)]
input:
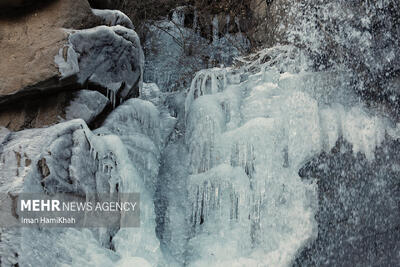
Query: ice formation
[(86, 105), (69, 158), (110, 57), (114, 17), (248, 131)]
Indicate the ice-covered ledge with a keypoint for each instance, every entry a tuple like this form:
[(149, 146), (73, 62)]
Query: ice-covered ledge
[(108, 57)]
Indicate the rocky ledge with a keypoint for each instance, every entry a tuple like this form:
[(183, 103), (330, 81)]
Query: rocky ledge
[(51, 52)]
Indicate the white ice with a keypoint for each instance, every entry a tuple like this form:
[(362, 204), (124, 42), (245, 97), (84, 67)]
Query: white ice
[(86, 105), (247, 139)]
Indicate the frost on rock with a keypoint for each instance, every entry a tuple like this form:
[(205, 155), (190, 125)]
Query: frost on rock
[(86, 105), (113, 17), (109, 57)]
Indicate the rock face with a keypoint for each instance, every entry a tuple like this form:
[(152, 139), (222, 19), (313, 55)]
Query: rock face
[(30, 42), (36, 111), (261, 20), (268, 21), (51, 50), (358, 215)]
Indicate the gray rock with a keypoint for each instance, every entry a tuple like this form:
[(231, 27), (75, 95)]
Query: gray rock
[(86, 105)]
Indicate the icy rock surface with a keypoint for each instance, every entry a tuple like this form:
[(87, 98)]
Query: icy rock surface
[(69, 158), (114, 17), (109, 57), (246, 134), (86, 105)]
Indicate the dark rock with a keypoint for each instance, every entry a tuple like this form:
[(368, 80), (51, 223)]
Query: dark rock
[(359, 207)]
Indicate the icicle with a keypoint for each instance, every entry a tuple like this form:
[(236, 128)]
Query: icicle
[(113, 99), (214, 85), (215, 29), (238, 24), (195, 21)]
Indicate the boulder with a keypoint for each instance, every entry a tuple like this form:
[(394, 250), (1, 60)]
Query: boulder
[(113, 17), (50, 51), (29, 43)]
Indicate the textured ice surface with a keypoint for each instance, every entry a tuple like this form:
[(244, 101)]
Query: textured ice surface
[(69, 158), (217, 166), (110, 57), (247, 132), (114, 17), (86, 105)]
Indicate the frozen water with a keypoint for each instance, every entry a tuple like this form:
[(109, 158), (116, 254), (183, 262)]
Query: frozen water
[(247, 133), (113, 17), (111, 57), (217, 166), (71, 159), (86, 105)]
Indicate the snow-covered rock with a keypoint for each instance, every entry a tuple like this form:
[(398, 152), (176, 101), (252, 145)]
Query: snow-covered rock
[(69, 158), (108, 57), (113, 17), (86, 105)]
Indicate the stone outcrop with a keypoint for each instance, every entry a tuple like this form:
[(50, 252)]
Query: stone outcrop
[(50, 51), (121, 156), (35, 111), (30, 42)]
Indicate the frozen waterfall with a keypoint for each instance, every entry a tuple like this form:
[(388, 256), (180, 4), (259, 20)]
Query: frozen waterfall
[(217, 164), (238, 200)]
